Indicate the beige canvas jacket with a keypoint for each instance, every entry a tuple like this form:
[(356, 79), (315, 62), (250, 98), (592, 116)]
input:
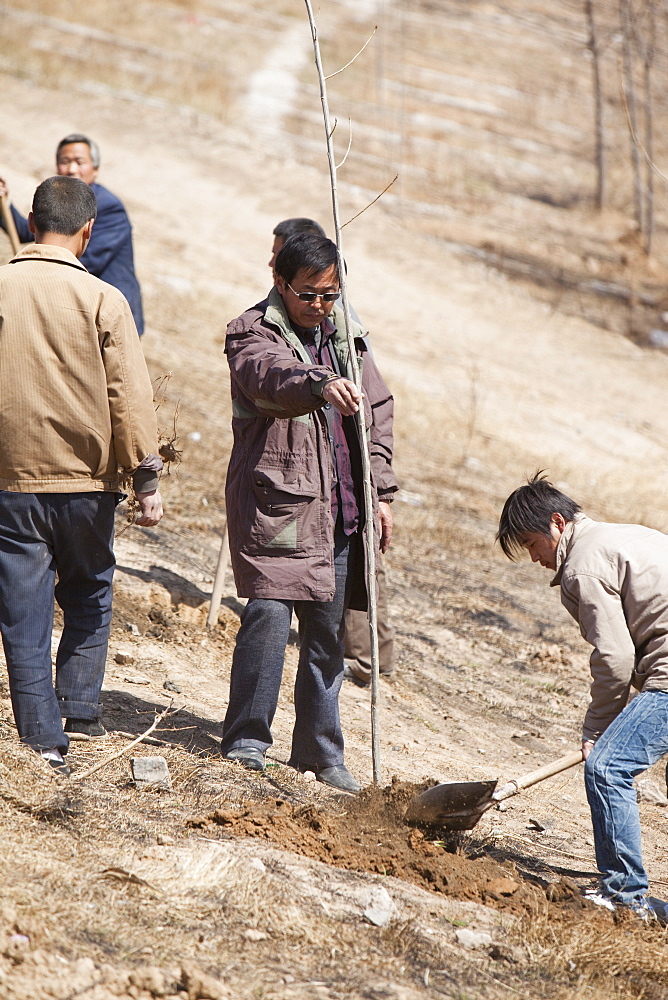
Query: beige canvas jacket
[(76, 401), (614, 582)]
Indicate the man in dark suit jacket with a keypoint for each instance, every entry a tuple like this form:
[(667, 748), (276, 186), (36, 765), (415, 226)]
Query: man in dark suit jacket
[(109, 255)]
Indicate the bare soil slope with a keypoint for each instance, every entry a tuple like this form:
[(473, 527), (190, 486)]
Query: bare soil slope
[(271, 885)]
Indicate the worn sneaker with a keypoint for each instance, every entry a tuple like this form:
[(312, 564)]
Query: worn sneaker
[(643, 909), (249, 757), (639, 906), (54, 759), (599, 899), (85, 729)]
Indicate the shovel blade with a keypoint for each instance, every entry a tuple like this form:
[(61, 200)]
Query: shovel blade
[(454, 805)]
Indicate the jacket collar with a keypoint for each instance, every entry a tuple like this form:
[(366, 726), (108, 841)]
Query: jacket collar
[(571, 532), (276, 313), (44, 251)]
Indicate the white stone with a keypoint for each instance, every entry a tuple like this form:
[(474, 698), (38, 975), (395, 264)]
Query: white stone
[(380, 908), (473, 939)]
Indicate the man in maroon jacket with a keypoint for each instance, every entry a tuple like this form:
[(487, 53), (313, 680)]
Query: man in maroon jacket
[(294, 503)]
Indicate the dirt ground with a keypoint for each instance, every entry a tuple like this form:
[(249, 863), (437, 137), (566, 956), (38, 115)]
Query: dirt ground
[(272, 886)]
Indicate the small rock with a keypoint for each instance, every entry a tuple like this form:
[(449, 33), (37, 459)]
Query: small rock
[(136, 679), (199, 986), (132, 628), (380, 909), (124, 658), (164, 840), (172, 686), (647, 791), (473, 939), (308, 775), (253, 935), (149, 979), (151, 771)]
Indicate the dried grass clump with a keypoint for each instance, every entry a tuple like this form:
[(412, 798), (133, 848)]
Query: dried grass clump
[(29, 786), (603, 954)]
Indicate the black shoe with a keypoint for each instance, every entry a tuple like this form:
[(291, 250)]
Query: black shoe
[(249, 757), (85, 729), (55, 760), (338, 776), (60, 767)]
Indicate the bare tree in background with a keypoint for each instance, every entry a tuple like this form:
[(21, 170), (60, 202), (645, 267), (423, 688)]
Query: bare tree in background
[(595, 47), (644, 37), (628, 84)]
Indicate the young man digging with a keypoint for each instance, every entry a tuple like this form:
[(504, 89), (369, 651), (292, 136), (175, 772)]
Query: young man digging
[(614, 582)]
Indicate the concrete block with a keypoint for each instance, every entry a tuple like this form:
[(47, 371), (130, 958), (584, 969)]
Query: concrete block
[(151, 771)]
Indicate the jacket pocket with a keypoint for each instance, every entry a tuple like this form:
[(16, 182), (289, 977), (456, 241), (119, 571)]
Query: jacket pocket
[(283, 520)]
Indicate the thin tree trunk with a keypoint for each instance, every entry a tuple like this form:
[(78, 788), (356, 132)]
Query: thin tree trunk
[(355, 374), (649, 172), (599, 142), (629, 90)]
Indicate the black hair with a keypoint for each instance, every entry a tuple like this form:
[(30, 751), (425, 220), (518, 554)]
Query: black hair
[(63, 205), (529, 510), (69, 140), (305, 252), (290, 227)]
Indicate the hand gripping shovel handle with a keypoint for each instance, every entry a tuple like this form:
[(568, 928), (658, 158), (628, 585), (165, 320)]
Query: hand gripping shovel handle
[(527, 780)]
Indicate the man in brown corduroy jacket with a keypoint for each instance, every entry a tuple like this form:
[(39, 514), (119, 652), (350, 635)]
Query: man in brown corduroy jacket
[(76, 418)]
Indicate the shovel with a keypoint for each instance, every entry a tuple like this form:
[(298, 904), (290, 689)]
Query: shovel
[(458, 805)]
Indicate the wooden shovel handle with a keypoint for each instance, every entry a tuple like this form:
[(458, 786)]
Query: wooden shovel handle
[(546, 771), (10, 225)]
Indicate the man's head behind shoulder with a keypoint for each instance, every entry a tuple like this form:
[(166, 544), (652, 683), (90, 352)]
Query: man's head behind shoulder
[(291, 227), (78, 156), (534, 518), (63, 211)]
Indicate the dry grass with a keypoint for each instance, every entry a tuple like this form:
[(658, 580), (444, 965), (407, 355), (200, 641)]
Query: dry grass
[(604, 955)]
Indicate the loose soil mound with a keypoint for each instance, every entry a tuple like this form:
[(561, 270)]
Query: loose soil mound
[(370, 834)]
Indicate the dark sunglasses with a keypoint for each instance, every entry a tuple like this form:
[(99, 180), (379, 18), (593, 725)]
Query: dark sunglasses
[(312, 296)]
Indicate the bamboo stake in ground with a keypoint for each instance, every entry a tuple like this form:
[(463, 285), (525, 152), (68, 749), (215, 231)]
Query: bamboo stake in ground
[(219, 581), (10, 225), (355, 375)]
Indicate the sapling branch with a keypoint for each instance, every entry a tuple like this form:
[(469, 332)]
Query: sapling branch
[(355, 375)]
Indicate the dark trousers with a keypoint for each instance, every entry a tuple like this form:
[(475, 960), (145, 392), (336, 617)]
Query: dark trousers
[(357, 650), (41, 535), (257, 668)]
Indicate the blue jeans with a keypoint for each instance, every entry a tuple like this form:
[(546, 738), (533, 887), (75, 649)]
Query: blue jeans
[(41, 535), (633, 742), (257, 668)]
